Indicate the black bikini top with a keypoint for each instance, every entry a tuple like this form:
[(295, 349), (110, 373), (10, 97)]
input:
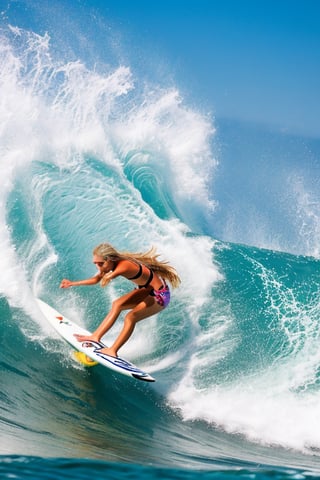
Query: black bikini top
[(139, 275)]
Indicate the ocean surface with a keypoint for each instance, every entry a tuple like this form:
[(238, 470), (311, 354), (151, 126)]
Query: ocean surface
[(91, 153)]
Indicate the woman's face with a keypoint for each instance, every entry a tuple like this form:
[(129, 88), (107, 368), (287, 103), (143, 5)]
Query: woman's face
[(102, 264)]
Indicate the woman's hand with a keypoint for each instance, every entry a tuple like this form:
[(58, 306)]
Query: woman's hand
[(105, 279), (65, 283)]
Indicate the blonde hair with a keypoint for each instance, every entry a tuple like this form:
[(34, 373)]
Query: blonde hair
[(149, 259)]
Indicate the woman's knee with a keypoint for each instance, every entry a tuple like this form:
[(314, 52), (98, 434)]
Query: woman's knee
[(130, 319), (117, 305)]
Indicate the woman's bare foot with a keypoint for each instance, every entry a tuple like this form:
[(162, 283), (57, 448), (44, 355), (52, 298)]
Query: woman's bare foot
[(86, 338), (108, 351), (90, 338)]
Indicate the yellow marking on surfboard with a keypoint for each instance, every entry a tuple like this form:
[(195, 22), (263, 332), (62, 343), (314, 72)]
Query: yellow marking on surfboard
[(84, 359)]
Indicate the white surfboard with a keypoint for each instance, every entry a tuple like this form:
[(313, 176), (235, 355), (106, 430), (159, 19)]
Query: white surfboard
[(67, 329)]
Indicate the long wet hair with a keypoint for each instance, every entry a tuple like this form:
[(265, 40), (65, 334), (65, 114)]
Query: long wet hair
[(149, 259)]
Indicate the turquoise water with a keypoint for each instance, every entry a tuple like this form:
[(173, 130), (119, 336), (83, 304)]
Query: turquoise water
[(87, 157)]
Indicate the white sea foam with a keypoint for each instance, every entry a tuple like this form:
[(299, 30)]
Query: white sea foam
[(62, 114), (56, 116), (276, 404)]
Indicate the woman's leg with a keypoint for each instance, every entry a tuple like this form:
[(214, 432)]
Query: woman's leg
[(145, 309), (126, 302)]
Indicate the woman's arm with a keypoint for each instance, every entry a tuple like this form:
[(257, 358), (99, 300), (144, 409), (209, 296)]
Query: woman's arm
[(121, 269), (106, 278), (89, 281)]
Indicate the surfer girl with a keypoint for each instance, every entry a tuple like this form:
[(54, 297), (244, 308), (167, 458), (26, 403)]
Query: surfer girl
[(150, 296)]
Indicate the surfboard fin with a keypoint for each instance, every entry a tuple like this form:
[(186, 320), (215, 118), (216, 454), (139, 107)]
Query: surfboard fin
[(84, 359)]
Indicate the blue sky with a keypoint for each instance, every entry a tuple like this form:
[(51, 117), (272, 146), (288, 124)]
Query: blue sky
[(251, 60)]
